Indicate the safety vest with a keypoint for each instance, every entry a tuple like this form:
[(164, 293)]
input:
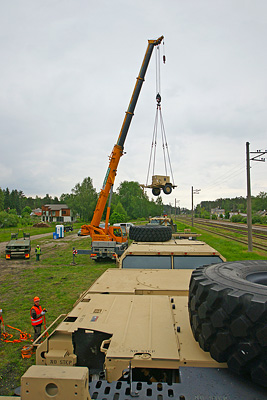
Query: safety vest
[(39, 319), (38, 250)]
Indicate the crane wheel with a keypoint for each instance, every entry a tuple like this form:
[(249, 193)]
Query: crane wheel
[(146, 233), (228, 315), (167, 189)]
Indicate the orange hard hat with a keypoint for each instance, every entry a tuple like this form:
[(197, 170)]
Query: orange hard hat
[(36, 299)]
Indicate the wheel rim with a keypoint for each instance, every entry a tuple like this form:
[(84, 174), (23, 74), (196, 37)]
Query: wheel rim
[(167, 189)]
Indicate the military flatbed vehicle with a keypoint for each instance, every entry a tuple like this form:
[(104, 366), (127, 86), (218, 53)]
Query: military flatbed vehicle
[(18, 247), (141, 330)]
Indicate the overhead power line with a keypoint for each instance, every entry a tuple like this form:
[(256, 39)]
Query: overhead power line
[(232, 173)]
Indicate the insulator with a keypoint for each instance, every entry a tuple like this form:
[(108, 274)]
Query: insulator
[(164, 59), (158, 98)]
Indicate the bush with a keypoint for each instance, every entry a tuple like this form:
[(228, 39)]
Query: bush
[(26, 220), (237, 218), (205, 215), (8, 219), (117, 218), (256, 219)]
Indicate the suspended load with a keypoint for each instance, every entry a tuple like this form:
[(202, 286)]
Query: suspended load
[(159, 182)]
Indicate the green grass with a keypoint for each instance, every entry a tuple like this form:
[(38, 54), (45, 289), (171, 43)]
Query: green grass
[(56, 282), (59, 283), (232, 251), (5, 233)]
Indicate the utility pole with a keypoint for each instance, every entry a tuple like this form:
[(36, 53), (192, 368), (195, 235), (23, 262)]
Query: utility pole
[(249, 218), (178, 201), (194, 191), (259, 153)]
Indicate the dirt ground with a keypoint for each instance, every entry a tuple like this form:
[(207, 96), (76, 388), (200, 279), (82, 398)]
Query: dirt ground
[(10, 266)]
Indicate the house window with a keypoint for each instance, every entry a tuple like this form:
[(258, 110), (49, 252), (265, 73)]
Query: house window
[(53, 213), (64, 212)]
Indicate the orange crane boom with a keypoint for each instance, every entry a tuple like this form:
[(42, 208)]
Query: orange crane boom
[(93, 229)]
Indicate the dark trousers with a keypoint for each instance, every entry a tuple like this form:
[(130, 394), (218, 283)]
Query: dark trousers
[(37, 331), (37, 257)]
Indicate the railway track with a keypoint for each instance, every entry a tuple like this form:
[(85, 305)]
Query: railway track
[(259, 234)]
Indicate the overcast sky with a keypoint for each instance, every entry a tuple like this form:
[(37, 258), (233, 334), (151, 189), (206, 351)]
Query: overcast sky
[(67, 72)]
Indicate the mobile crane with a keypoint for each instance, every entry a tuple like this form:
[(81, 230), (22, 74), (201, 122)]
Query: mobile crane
[(112, 241)]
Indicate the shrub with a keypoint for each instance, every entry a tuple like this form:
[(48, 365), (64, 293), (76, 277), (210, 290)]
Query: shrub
[(256, 219), (237, 218), (8, 219), (117, 218)]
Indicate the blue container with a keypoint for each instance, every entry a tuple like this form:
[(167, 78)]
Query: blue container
[(55, 235)]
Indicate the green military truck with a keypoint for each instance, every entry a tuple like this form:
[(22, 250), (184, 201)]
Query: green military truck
[(68, 227), (18, 247)]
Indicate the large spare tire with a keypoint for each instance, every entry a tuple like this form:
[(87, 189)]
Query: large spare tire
[(147, 233), (228, 315)]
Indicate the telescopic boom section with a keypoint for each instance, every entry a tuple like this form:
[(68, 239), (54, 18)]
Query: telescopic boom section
[(117, 151)]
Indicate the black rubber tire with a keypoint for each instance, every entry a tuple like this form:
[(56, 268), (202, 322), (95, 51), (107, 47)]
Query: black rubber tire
[(228, 315), (146, 233), (156, 191), (167, 189)]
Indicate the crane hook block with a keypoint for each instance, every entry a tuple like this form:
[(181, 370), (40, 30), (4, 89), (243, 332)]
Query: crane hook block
[(158, 98)]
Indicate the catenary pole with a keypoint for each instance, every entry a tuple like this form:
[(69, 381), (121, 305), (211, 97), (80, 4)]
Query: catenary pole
[(249, 219)]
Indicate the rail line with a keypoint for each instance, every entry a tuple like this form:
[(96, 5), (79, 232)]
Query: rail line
[(257, 232), (258, 238)]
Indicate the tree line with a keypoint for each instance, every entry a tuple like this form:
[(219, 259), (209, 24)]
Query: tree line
[(129, 202), (236, 205)]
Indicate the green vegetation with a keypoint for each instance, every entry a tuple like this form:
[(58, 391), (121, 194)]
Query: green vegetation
[(59, 283), (130, 202), (82, 199), (55, 280), (232, 251), (237, 204)]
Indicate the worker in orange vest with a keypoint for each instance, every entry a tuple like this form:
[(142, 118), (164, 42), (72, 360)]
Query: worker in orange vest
[(37, 317), (1, 322)]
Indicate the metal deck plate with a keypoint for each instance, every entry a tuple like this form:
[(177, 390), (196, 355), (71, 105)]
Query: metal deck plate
[(196, 384)]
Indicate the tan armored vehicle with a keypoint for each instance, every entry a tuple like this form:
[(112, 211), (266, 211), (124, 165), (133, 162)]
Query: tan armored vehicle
[(164, 221), (131, 333), (183, 251)]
